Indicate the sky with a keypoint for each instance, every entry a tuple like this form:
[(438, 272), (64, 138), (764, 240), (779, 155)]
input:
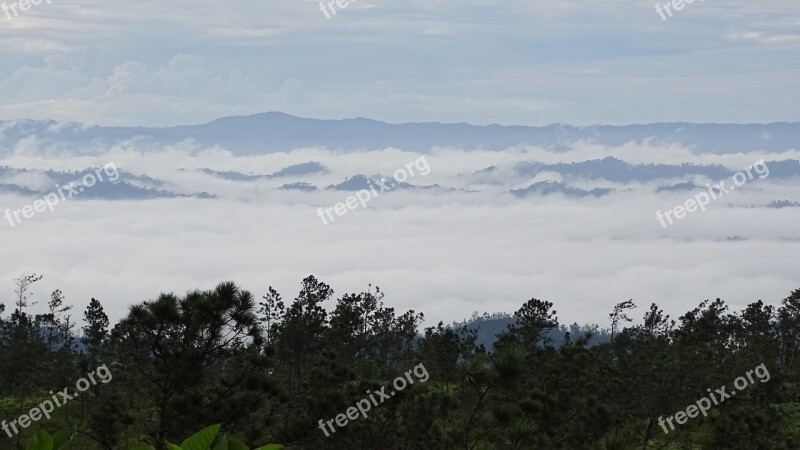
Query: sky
[(526, 62)]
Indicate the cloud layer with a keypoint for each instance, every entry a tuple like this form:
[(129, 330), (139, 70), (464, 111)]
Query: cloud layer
[(446, 253)]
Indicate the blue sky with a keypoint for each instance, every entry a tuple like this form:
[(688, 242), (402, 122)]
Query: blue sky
[(510, 62)]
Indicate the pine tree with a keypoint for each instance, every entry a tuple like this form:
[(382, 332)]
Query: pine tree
[(96, 328)]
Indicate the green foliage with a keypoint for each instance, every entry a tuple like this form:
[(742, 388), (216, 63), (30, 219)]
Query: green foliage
[(271, 371), (43, 441), (203, 439)]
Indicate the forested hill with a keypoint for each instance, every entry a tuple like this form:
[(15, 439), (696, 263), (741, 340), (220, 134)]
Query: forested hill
[(351, 372), (489, 326)]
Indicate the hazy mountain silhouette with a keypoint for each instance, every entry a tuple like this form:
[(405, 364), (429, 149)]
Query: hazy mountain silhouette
[(274, 131)]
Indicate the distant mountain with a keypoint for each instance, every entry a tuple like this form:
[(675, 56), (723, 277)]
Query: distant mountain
[(778, 204), (577, 180), (299, 186), (613, 169), (11, 188), (488, 326), (274, 132), (552, 187), (308, 168), (123, 186), (232, 175), (679, 187)]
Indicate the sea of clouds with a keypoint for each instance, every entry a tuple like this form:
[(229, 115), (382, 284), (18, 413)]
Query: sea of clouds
[(465, 243)]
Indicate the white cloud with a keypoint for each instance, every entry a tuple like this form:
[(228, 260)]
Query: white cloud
[(443, 254), (156, 63)]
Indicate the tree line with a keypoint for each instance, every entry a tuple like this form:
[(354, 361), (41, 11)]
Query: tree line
[(269, 370)]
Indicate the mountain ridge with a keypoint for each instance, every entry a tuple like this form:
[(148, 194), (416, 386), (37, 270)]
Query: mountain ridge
[(273, 131)]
